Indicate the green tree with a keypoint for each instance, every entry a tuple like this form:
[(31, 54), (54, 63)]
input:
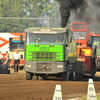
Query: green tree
[(23, 9), (54, 15), (37, 9), (11, 8)]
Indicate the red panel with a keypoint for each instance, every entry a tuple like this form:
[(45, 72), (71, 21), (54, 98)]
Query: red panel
[(18, 34), (18, 38), (22, 62), (4, 54), (4, 42), (79, 26), (83, 42), (98, 47), (87, 63)]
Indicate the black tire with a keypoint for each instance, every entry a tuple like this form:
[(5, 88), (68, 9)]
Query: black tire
[(92, 75), (65, 75), (28, 76)]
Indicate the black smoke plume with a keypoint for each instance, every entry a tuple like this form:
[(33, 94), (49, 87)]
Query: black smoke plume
[(84, 10), (66, 6)]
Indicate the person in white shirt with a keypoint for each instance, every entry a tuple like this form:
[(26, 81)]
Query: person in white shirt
[(17, 58)]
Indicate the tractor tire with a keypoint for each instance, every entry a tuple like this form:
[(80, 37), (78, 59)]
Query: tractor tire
[(28, 76), (92, 76)]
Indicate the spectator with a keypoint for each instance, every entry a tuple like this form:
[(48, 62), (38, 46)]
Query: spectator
[(1, 56), (7, 55), (17, 58)]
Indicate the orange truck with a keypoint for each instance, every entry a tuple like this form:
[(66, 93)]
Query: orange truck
[(9, 42), (14, 43), (85, 62)]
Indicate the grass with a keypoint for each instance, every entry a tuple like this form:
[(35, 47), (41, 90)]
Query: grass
[(98, 98)]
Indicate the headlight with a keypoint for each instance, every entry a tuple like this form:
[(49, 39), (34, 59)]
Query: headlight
[(27, 65), (59, 66)]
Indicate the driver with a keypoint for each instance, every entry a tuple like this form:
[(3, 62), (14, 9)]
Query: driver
[(80, 36)]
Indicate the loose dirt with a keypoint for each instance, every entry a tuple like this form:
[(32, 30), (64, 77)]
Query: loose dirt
[(14, 87)]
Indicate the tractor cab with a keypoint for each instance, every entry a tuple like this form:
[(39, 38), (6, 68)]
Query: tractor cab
[(95, 45), (80, 32), (81, 36)]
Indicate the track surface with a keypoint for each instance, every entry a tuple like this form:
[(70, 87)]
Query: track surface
[(15, 87)]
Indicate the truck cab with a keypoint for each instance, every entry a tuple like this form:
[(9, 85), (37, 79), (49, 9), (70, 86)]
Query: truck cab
[(49, 52)]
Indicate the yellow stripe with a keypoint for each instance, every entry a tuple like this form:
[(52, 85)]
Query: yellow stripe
[(75, 53)]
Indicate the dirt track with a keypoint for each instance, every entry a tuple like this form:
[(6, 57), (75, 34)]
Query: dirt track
[(15, 87)]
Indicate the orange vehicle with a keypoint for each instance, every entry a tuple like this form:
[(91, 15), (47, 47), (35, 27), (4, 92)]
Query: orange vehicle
[(85, 62), (5, 39), (16, 43)]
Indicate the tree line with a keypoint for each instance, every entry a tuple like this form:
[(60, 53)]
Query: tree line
[(28, 9)]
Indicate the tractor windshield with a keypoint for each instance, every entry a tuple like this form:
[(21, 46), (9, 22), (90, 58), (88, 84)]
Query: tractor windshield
[(96, 42), (79, 35)]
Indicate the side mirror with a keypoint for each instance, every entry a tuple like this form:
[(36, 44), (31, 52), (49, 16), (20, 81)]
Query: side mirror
[(21, 38)]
